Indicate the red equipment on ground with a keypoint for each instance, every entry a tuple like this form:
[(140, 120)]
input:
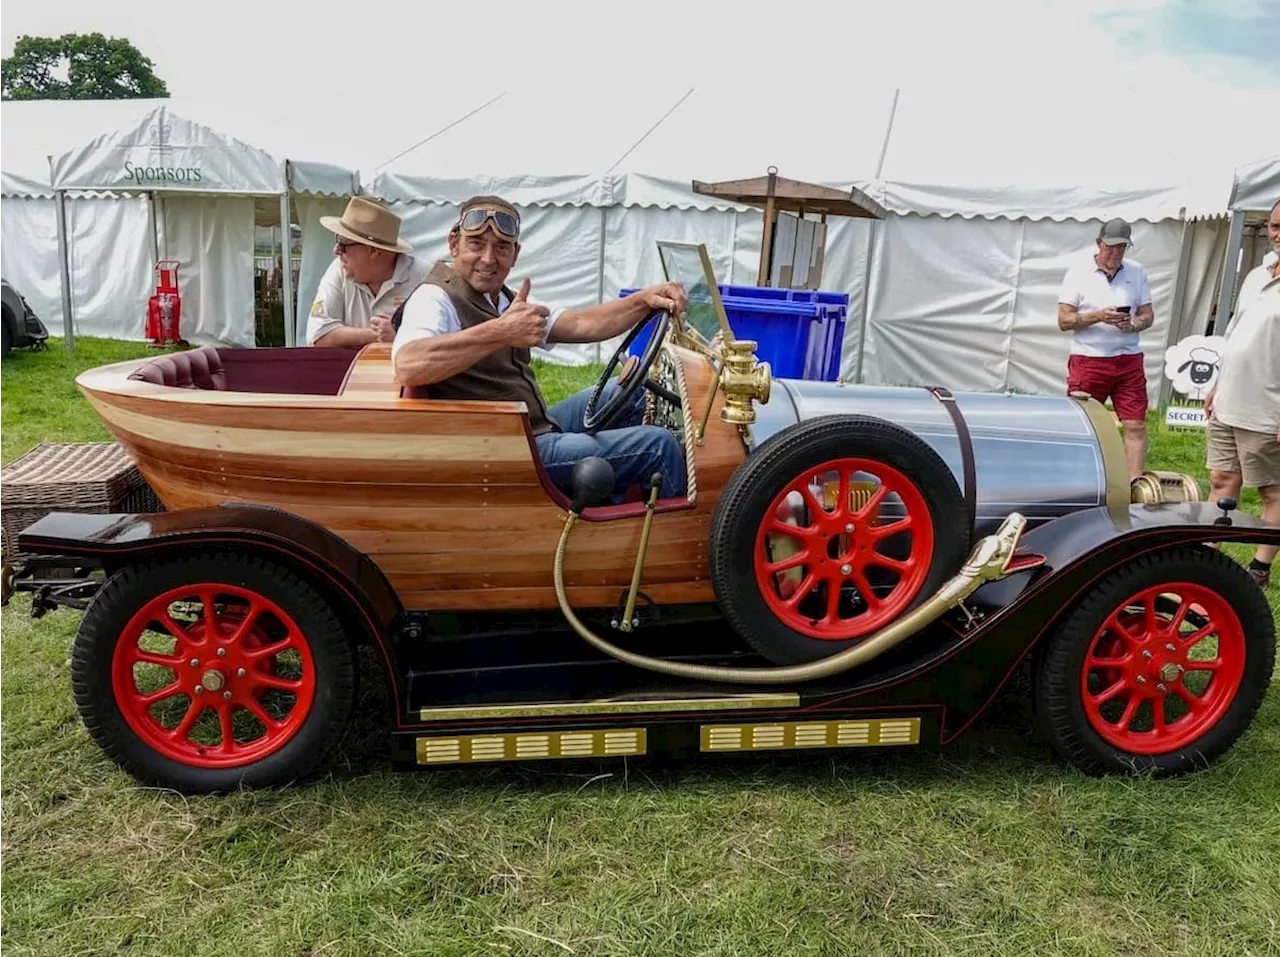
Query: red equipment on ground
[(164, 309)]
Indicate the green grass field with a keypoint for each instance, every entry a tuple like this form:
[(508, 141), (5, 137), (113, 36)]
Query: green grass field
[(989, 847)]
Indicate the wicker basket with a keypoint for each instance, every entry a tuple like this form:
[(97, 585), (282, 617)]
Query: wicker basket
[(92, 477)]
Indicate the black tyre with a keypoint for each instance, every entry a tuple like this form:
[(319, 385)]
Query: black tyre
[(211, 673), (6, 346), (1159, 668), (830, 531)]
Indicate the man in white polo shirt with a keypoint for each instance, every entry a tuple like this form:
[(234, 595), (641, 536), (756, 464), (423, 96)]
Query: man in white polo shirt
[(1104, 303), (1243, 435), (373, 272)]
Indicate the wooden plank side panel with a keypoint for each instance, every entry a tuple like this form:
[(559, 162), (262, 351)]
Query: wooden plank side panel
[(365, 437), (496, 531), (208, 487), (541, 575), (448, 461), (507, 599), (458, 520), (413, 417), (497, 563)]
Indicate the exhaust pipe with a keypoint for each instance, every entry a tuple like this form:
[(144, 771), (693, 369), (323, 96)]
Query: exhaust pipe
[(988, 561)]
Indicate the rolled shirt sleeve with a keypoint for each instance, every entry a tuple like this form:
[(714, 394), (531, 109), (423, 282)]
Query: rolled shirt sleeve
[(329, 311)]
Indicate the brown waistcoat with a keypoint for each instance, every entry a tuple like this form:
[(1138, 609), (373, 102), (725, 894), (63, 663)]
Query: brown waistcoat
[(503, 376)]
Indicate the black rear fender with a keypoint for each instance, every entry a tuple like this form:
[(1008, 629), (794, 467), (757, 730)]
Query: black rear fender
[(355, 587)]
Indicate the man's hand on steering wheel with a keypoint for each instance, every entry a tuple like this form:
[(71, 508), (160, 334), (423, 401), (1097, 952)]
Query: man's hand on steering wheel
[(669, 296)]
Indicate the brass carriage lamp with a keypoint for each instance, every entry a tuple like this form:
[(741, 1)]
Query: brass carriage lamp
[(744, 378)]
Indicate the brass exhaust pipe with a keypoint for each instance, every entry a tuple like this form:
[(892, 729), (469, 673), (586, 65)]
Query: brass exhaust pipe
[(988, 561)]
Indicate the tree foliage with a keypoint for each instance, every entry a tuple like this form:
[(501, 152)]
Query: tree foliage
[(78, 66)]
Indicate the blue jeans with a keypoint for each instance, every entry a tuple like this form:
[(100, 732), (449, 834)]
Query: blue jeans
[(635, 451)]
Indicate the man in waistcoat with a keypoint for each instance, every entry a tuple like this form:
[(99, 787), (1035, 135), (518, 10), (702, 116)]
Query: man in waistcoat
[(463, 334)]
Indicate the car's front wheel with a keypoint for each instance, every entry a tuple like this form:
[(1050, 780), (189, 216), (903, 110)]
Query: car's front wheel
[(1160, 667)]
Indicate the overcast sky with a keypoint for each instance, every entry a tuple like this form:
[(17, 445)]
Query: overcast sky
[(1200, 65)]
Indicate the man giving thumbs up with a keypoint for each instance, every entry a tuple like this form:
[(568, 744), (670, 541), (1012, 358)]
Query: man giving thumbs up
[(463, 334)]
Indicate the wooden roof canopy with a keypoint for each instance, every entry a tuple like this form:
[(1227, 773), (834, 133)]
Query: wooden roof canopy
[(775, 194), (793, 196)]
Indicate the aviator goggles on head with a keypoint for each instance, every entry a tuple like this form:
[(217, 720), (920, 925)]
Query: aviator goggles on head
[(474, 220)]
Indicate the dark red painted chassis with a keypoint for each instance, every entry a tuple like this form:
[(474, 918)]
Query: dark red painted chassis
[(457, 676)]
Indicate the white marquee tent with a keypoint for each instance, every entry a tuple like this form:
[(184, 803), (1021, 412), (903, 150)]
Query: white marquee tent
[(208, 192), (111, 248), (1255, 189), (959, 285)]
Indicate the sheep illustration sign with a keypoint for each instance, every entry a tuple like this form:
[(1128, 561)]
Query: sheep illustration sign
[(1192, 365)]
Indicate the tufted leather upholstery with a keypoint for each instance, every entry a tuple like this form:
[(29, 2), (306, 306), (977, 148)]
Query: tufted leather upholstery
[(194, 369)]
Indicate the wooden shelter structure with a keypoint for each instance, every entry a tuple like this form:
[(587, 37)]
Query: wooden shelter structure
[(776, 194)]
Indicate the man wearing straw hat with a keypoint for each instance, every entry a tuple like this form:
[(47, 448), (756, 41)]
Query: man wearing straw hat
[(372, 273)]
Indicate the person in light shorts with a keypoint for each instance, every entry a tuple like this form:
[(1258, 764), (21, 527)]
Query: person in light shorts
[(1243, 434)]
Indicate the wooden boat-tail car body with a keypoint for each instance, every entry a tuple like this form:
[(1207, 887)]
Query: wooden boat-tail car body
[(852, 566)]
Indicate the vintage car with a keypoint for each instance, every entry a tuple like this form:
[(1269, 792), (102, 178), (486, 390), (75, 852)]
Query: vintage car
[(852, 566), (20, 327)]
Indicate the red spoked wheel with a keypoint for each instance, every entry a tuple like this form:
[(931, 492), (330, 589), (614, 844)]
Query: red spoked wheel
[(846, 549), (830, 531), (1160, 667), (213, 672), (1157, 678), (214, 676)]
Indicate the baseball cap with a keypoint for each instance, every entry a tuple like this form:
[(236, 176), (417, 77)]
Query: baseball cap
[(1115, 232)]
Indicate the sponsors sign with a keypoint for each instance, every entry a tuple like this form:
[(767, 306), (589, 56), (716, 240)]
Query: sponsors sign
[(159, 167), (140, 175)]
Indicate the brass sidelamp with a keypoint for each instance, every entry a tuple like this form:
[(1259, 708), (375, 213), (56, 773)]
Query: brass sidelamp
[(743, 379)]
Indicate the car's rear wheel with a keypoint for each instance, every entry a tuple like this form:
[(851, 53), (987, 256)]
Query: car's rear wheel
[(830, 531), (213, 672), (1160, 667)]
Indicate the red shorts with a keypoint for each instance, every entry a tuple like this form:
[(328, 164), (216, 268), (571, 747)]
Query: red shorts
[(1122, 379)]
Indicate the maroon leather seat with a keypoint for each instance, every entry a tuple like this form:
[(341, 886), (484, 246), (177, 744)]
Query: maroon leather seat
[(193, 369)]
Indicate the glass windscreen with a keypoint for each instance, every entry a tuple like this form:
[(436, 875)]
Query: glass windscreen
[(690, 266)]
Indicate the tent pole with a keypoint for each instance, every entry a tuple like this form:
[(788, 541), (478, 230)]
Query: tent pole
[(888, 131), (871, 239), (766, 236), (1230, 272), (872, 225), (604, 211), (286, 263), (155, 234), (64, 266), (1176, 324)]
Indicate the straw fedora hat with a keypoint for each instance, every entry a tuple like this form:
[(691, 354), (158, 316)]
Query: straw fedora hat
[(369, 222)]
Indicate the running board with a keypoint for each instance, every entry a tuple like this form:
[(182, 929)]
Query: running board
[(634, 740)]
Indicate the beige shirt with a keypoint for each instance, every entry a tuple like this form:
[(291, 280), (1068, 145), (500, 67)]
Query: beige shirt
[(1248, 392), (341, 302)]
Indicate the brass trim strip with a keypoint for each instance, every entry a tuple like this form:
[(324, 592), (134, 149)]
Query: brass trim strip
[(1111, 444), (799, 735), (533, 746), (725, 703)]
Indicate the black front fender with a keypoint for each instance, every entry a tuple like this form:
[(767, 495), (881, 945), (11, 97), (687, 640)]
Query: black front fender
[(112, 541), (1079, 550)]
